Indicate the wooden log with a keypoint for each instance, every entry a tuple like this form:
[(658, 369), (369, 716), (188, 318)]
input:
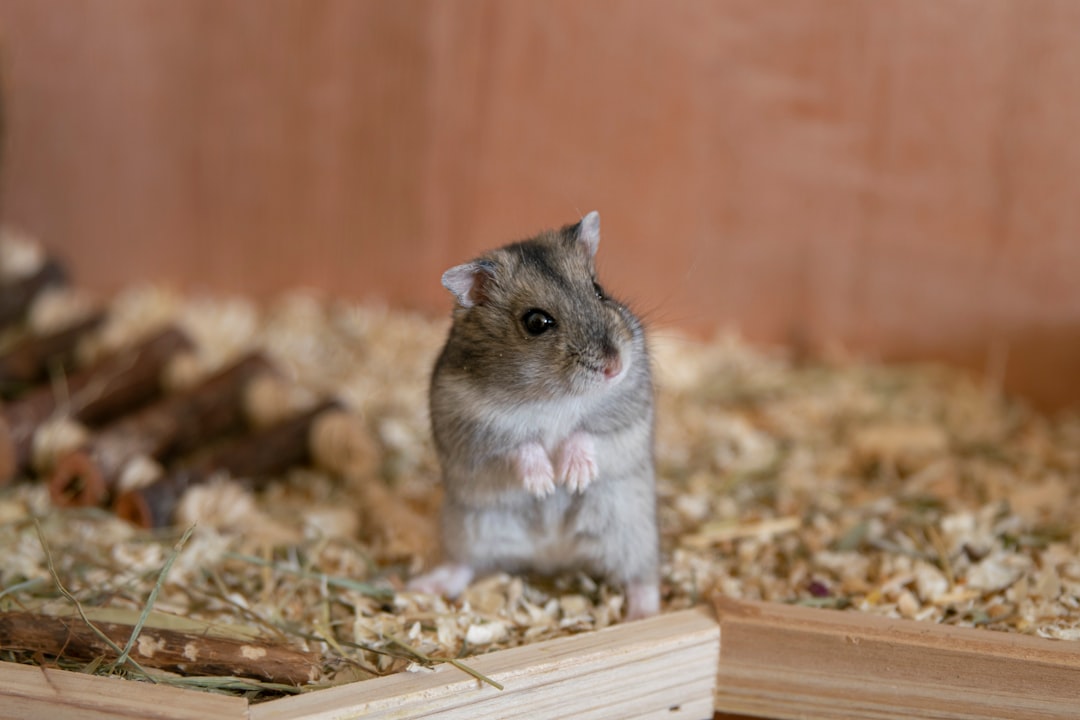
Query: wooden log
[(37, 692), (254, 457), (109, 387), (662, 667), (197, 654), (30, 360), (17, 295), (175, 425), (784, 661)]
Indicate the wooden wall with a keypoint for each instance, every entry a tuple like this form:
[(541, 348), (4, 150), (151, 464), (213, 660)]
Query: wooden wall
[(898, 176)]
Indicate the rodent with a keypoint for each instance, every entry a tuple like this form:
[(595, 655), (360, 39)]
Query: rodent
[(542, 414)]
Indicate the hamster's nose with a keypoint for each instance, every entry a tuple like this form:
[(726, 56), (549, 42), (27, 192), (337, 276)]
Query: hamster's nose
[(612, 366)]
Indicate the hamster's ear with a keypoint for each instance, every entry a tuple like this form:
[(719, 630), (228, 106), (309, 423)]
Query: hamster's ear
[(469, 282), (588, 232)]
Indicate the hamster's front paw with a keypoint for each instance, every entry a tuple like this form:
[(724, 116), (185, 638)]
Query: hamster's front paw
[(534, 469), (577, 462)]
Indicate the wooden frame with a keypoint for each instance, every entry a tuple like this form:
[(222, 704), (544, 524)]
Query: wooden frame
[(762, 659), (783, 661)]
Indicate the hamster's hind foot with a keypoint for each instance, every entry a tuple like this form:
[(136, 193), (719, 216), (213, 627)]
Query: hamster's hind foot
[(448, 580), (642, 600)]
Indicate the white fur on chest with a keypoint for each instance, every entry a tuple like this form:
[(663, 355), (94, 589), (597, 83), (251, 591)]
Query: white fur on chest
[(547, 422)]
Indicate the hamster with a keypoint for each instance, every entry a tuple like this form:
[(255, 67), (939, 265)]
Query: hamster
[(542, 415)]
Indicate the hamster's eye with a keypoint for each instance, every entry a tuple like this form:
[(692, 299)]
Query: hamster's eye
[(599, 291), (537, 322)]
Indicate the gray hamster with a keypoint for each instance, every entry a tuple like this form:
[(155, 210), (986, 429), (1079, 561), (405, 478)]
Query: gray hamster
[(542, 414)]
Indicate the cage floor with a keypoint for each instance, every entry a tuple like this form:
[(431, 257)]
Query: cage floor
[(906, 491)]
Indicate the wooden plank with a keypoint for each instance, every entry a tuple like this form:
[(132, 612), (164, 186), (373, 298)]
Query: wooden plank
[(784, 661), (28, 691), (661, 667)]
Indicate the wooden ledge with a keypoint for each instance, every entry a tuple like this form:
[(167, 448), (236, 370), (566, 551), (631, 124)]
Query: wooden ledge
[(783, 661), (663, 667), (29, 691)]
